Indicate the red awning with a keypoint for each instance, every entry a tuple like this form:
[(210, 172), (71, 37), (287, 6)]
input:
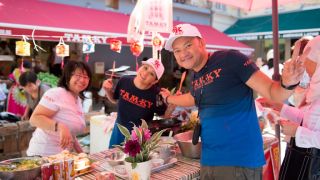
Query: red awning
[(52, 21)]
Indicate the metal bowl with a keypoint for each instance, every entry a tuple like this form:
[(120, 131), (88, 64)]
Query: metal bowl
[(29, 174), (185, 144)]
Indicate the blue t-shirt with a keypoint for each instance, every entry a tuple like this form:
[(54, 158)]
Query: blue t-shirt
[(230, 132), (133, 105)]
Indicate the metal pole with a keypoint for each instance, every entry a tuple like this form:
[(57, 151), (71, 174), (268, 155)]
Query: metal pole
[(276, 75)]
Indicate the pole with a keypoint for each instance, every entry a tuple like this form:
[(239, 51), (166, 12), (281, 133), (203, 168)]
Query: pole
[(276, 75)]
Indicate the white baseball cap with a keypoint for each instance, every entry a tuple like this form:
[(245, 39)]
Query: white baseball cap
[(157, 65), (181, 30), (270, 54)]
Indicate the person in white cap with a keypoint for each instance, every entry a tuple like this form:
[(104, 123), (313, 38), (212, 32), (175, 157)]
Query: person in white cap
[(137, 97), (222, 88), (268, 68)]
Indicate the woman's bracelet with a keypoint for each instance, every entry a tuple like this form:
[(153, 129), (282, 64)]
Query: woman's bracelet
[(291, 87)]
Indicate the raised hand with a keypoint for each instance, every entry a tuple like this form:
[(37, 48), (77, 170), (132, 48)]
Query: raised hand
[(107, 84)]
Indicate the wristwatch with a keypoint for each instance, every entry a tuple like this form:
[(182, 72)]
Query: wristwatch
[(291, 87)]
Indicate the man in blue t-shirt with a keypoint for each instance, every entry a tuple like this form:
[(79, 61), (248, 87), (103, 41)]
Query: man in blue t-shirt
[(137, 98), (222, 88)]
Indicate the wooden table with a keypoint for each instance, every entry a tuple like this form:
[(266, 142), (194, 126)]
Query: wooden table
[(184, 169)]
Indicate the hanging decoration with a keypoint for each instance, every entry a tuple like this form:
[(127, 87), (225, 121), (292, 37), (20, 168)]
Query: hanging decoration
[(135, 31), (157, 44), (157, 41), (23, 49), (34, 42), (136, 49), (62, 50), (115, 45), (88, 47)]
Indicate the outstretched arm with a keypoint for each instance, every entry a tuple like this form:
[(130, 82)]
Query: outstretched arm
[(107, 85)]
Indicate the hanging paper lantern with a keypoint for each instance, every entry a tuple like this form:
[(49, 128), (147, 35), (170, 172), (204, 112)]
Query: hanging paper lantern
[(22, 48), (136, 48), (115, 45)]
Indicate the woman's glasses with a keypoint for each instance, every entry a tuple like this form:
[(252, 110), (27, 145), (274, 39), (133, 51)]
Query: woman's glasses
[(79, 76)]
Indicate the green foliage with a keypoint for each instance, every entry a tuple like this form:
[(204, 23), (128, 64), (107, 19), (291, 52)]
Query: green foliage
[(48, 78)]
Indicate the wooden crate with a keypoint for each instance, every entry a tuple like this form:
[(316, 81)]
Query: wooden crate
[(9, 144), (24, 135)]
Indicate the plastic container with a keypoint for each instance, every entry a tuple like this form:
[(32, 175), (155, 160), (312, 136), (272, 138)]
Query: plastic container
[(99, 136)]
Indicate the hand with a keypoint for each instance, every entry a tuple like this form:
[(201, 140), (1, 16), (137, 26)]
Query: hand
[(24, 117), (66, 139), (267, 103), (164, 93), (293, 68), (289, 128), (107, 84)]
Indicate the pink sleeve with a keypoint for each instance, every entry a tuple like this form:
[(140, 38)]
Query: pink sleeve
[(50, 100), (291, 113)]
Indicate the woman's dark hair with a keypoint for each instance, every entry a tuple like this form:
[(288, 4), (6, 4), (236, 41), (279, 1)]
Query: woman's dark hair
[(27, 77), (68, 71)]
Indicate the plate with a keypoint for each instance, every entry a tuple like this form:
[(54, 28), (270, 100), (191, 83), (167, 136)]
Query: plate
[(106, 166), (165, 166), (119, 69)]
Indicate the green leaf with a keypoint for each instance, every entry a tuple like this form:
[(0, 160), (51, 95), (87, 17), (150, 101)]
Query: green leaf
[(124, 131), (134, 165), (172, 91), (144, 124)]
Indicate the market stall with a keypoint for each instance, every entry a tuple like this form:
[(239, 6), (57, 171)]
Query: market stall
[(184, 168)]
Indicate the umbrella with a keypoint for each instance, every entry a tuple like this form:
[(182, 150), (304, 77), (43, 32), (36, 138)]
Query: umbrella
[(259, 4), (249, 5)]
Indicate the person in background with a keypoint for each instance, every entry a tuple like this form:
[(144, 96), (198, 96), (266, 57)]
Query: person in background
[(137, 97), (16, 101), (4, 48), (59, 116), (300, 124), (268, 67), (222, 89), (33, 89), (260, 62)]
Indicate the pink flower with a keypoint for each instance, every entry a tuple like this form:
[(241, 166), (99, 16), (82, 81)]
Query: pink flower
[(146, 134), (132, 147)]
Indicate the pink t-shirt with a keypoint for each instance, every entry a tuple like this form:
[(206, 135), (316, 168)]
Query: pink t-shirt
[(68, 111)]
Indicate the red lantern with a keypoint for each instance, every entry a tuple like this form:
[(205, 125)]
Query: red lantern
[(115, 45), (136, 48)]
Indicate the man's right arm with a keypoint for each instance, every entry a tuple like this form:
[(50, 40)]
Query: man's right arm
[(184, 100)]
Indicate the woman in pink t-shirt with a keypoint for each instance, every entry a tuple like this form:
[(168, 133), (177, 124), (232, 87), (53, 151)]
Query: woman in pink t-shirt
[(59, 116)]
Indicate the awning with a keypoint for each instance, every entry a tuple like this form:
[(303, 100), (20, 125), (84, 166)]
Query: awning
[(52, 21), (291, 25)]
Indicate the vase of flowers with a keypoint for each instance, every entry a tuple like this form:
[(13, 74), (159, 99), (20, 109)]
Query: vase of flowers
[(138, 146)]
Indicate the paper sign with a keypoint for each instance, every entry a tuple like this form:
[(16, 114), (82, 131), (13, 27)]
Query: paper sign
[(22, 48), (62, 50), (99, 67)]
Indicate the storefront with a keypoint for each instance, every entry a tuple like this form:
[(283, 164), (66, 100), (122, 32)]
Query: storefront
[(257, 32)]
